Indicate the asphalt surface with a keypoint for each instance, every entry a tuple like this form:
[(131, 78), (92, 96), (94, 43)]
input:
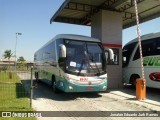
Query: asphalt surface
[(44, 99)]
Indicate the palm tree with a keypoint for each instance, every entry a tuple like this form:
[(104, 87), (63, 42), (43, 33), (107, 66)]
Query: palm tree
[(8, 54)]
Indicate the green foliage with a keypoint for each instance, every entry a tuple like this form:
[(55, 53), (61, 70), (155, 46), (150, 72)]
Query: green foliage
[(8, 54), (4, 68), (13, 96), (21, 63), (21, 59), (4, 77)]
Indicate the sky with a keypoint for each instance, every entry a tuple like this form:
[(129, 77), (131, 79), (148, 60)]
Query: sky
[(32, 19)]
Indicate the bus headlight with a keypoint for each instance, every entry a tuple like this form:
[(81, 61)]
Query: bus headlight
[(70, 87), (61, 84), (104, 87)]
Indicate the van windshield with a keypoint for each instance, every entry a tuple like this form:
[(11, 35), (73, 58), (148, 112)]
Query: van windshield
[(84, 58)]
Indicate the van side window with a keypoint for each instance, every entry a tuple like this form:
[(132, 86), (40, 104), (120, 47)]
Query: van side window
[(148, 49), (137, 54), (127, 52), (157, 49)]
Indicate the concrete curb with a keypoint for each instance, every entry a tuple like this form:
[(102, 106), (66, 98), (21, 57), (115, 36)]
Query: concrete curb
[(151, 104)]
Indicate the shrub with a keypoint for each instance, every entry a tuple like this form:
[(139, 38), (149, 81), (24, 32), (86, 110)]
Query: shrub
[(4, 68)]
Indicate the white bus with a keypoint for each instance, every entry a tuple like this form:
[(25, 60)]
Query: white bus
[(72, 63), (151, 60)]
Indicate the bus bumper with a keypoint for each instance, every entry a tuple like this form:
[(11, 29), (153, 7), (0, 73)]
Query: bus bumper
[(70, 87)]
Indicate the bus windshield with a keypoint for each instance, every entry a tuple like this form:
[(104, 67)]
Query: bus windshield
[(84, 58)]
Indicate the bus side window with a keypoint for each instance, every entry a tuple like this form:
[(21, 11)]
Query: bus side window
[(158, 46)]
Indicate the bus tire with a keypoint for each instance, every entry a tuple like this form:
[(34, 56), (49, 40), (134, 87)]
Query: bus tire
[(37, 77), (133, 80), (55, 89)]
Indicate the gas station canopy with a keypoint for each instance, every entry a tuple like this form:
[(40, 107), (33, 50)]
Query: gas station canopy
[(80, 11)]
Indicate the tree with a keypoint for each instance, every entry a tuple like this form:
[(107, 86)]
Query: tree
[(8, 54), (21, 59), (21, 62)]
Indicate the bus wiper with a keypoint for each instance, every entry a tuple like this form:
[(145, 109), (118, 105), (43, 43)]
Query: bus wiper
[(82, 63), (96, 67), (88, 58)]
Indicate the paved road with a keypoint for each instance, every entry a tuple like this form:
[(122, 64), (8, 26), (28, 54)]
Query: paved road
[(45, 100)]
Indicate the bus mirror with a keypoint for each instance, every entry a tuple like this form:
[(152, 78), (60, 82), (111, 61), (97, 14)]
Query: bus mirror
[(109, 55), (112, 56), (62, 50)]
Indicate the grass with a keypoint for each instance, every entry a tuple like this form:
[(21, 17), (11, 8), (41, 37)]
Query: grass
[(13, 96), (4, 77)]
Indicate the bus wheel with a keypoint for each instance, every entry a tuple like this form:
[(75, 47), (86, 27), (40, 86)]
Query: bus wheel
[(54, 84), (37, 77), (133, 80)]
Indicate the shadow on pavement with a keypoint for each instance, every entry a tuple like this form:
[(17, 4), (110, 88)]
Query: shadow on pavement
[(42, 90), (20, 91)]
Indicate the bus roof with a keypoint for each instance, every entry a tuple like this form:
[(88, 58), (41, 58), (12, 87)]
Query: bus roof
[(72, 37), (145, 37), (76, 37)]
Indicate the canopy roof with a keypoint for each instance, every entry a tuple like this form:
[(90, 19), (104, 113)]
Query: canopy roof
[(80, 11)]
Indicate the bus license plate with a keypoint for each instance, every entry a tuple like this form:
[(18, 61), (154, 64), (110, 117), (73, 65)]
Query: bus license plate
[(84, 79), (89, 88)]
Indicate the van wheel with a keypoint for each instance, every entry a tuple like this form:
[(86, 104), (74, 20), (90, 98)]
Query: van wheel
[(55, 90), (133, 80), (37, 77)]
